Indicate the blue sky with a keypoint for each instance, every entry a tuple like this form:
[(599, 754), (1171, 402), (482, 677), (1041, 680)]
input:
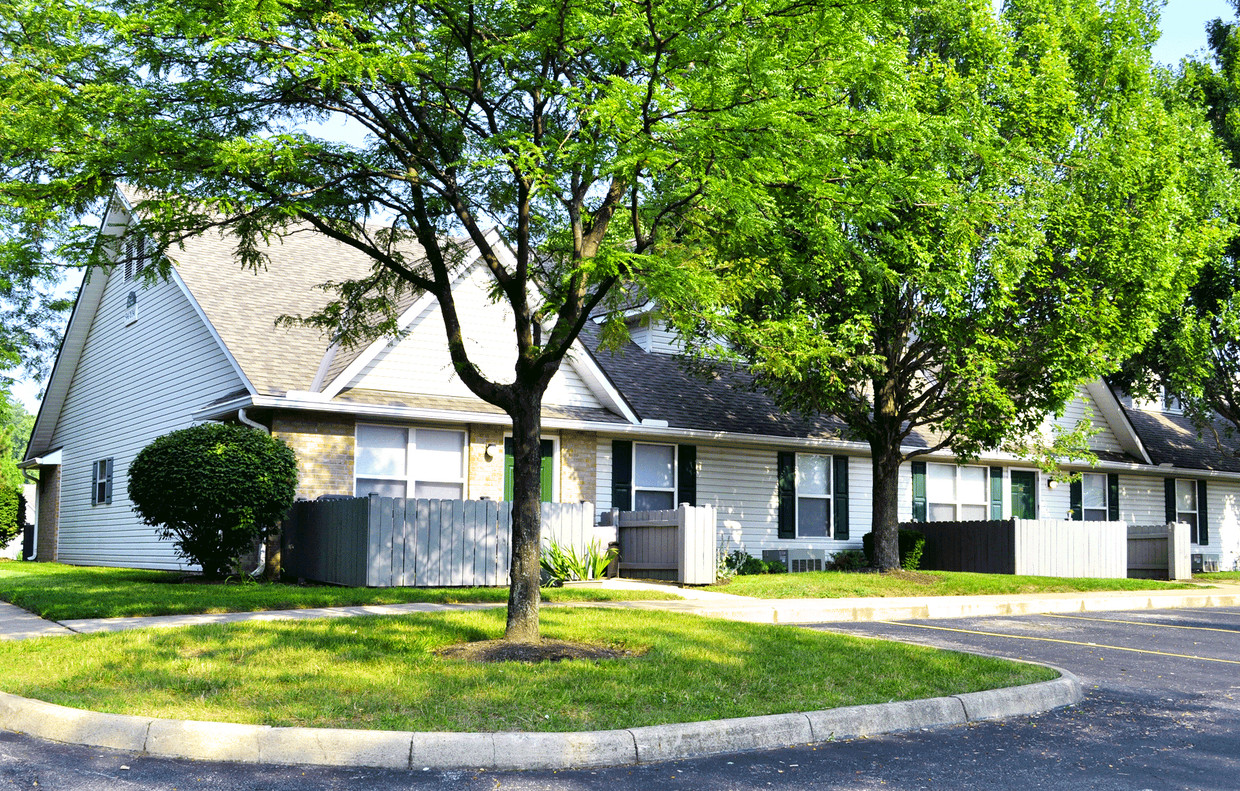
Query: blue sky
[(1183, 34), (1183, 27)]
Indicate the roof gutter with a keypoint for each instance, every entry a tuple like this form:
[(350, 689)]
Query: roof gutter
[(375, 411)]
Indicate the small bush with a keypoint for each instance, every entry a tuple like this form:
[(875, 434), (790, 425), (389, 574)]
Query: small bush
[(213, 489), (742, 562), (753, 565), (561, 563), (12, 513), (911, 542), (724, 571), (849, 560)]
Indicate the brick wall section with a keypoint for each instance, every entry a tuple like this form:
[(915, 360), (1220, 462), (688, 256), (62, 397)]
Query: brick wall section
[(486, 477), (49, 513), (324, 448), (578, 472)]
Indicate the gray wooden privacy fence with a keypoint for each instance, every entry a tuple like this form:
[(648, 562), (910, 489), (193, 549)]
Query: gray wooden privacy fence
[(667, 545), (1041, 547), (1160, 551), (384, 542)]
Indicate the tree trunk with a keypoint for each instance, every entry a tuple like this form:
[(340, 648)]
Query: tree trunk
[(523, 592), (885, 516)]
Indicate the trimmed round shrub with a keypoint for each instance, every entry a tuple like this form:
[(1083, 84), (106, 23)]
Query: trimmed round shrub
[(849, 560), (213, 489), (911, 544), (12, 511)]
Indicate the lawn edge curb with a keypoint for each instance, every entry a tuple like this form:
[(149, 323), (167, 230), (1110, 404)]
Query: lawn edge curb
[(262, 744)]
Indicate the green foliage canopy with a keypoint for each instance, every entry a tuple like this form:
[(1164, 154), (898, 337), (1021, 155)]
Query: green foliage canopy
[(1007, 215), (581, 131), (213, 489), (1195, 355)]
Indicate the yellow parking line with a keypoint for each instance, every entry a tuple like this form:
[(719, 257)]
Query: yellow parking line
[(1142, 623), (1053, 640)]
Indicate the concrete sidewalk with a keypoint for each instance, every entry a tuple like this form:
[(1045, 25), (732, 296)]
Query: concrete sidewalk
[(800, 611), (712, 604), (19, 624)]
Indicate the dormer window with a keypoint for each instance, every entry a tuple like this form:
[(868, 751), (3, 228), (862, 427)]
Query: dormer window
[(1169, 402)]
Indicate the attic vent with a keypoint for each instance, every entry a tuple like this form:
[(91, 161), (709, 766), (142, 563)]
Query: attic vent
[(134, 256)]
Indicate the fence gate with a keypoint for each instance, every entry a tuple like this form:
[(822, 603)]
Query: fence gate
[(677, 545)]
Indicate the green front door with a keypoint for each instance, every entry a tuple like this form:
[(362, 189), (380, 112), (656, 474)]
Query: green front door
[(1024, 494), (547, 451)]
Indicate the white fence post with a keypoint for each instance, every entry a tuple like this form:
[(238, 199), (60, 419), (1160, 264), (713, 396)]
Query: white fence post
[(696, 540), (1179, 549)]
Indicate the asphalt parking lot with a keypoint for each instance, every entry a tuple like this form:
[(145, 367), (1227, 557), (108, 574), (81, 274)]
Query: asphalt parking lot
[(1161, 712), (1183, 651)]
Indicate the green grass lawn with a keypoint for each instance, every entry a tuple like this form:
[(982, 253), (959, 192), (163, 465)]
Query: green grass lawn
[(61, 592), (379, 672), (840, 584), (1221, 576)]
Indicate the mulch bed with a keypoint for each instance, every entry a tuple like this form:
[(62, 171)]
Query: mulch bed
[(542, 651)]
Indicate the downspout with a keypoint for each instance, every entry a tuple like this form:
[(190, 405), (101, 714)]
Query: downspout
[(34, 542), (241, 416), (262, 547)]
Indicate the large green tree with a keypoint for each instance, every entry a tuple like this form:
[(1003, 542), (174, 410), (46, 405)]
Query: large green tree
[(15, 427), (1196, 352), (581, 129), (1009, 216)]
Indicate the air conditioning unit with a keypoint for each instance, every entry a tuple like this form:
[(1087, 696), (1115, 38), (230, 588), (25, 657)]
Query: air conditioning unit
[(798, 559), (1205, 563)]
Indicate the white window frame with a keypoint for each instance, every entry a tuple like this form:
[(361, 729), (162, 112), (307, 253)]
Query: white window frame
[(555, 462), (1196, 524), (828, 497), (675, 472), (1106, 498), (409, 479), (959, 503)]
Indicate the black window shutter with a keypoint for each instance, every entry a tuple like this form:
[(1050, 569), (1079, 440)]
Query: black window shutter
[(996, 493), (1169, 498), (94, 483), (1113, 497), (787, 482), (919, 491), (107, 493), (1076, 499), (622, 474), (1203, 532), (686, 474), (840, 499)]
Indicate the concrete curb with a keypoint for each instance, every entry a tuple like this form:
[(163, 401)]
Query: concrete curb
[(261, 744)]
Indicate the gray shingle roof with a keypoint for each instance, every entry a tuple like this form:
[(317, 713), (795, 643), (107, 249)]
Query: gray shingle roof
[(1173, 439), (243, 305), (659, 387)]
